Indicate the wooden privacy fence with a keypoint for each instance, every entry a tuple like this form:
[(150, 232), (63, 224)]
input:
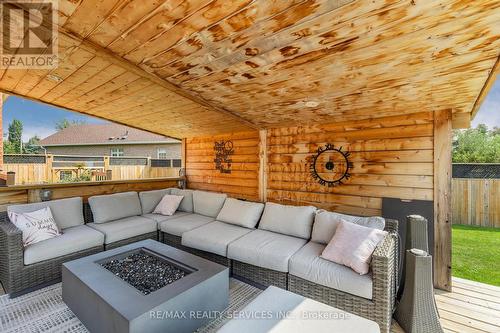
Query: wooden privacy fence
[(39, 169), (476, 202)]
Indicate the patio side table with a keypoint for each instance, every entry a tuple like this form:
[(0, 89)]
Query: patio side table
[(417, 312)]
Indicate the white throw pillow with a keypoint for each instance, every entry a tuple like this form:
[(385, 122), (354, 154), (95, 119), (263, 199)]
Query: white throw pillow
[(353, 246), (36, 226), (168, 204)]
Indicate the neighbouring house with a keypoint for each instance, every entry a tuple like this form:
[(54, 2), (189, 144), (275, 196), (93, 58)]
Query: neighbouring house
[(111, 140)]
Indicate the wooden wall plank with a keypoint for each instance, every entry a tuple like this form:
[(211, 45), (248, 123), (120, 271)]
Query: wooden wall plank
[(242, 182), (392, 157), (263, 173)]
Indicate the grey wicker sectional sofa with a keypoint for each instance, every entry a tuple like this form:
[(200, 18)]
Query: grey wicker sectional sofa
[(282, 247), (267, 244)]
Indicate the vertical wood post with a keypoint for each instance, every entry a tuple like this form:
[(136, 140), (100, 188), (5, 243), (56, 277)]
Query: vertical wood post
[(11, 178), (183, 153), (263, 165), (183, 161), (2, 97), (106, 162), (442, 199), (48, 163)]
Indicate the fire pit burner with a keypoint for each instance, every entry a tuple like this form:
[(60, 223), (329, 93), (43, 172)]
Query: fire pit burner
[(144, 271)]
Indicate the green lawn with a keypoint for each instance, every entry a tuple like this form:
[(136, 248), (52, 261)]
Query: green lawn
[(476, 253)]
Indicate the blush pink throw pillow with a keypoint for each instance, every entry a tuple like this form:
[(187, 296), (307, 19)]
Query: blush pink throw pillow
[(168, 205), (353, 246)]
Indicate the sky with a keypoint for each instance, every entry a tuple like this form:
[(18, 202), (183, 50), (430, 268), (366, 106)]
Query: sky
[(40, 119), (489, 112)]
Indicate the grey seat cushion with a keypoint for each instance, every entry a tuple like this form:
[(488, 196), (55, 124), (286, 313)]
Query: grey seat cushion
[(73, 239), (124, 228), (151, 199), (187, 202), (116, 206), (66, 212), (179, 225), (160, 218), (274, 302), (242, 213), (288, 220), (265, 249), (208, 203), (214, 237), (325, 224), (307, 264)]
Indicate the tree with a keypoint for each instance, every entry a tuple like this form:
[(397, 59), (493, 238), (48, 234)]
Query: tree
[(476, 145), (15, 137), (32, 147), (65, 123)]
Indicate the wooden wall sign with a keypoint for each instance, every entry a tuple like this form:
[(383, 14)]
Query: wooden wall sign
[(330, 166), (223, 151)]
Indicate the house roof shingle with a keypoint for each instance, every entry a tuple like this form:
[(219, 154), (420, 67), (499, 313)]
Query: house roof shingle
[(100, 134)]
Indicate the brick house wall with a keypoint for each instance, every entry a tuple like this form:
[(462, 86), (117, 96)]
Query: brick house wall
[(146, 150)]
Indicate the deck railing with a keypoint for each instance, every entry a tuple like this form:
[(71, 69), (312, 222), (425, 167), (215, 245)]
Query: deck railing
[(47, 169)]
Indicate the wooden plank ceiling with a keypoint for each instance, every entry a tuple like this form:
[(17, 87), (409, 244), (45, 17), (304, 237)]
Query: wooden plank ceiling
[(199, 67)]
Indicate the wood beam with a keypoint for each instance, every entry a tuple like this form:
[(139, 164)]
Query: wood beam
[(461, 120), (263, 165), (442, 199), (486, 88), (3, 97)]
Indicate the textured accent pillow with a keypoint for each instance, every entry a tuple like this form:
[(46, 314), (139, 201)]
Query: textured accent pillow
[(36, 226), (325, 224), (168, 205), (353, 246)]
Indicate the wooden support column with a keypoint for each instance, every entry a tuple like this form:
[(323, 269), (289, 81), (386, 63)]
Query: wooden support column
[(263, 165), (183, 162), (49, 158), (442, 199), (2, 99)]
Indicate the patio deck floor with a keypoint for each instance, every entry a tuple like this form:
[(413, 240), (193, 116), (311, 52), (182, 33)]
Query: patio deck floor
[(471, 307)]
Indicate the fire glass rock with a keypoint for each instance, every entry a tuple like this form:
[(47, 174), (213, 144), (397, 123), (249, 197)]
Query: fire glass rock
[(144, 272)]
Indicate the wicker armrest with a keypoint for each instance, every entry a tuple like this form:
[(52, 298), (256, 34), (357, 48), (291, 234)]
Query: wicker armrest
[(11, 250), (10, 235), (384, 271)]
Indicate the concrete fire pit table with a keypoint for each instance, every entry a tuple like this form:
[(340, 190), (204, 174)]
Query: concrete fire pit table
[(104, 302)]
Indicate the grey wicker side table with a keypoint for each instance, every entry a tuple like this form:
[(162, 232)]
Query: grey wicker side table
[(417, 312), (415, 238)]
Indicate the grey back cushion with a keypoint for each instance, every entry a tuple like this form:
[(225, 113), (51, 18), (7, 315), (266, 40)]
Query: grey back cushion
[(208, 203), (66, 212), (112, 207), (243, 213), (151, 199), (325, 224), (288, 220), (187, 202)]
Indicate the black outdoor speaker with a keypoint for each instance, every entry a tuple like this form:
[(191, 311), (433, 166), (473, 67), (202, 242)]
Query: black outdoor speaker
[(399, 209)]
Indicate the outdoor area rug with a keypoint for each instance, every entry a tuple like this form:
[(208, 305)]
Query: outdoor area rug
[(44, 310)]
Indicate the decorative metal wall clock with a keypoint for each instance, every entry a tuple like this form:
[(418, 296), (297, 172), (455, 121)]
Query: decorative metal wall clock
[(330, 166), (223, 151)]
